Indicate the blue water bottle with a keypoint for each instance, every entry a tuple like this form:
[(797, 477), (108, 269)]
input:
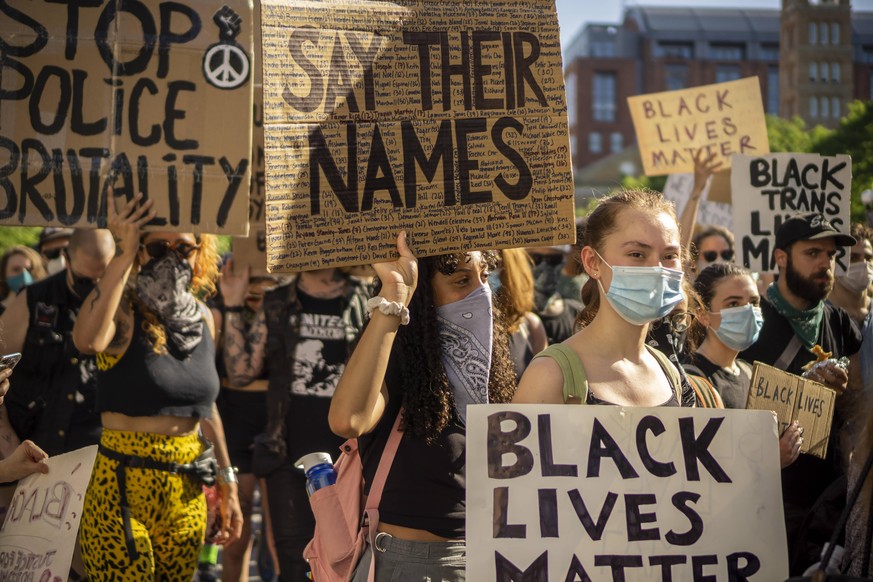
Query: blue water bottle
[(319, 471)]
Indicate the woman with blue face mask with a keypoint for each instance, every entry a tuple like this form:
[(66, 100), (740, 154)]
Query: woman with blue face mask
[(20, 266), (633, 257), (729, 321), (434, 344)]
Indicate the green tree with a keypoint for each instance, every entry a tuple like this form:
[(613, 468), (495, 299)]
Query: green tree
[(854, 136), (18, 235), (792, 135)]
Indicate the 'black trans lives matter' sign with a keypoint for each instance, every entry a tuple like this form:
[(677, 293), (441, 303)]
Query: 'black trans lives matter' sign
[(138, 95), (559, 493), (768, 189), (445, 118)]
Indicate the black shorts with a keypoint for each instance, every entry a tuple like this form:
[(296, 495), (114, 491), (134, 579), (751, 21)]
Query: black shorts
[(244, 416)]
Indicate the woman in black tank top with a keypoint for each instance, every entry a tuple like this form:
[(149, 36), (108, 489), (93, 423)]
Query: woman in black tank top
[(145, 509), (633, 256), (431, 318)]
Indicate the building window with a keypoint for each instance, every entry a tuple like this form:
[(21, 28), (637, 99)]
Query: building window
[(769, 52), (813, 106), (824, 71), (675, 77), (675, 50), (825, 108), (835, 107), (603, 48), (813, 72), (867, 53), (595, 144), (870, 94), (773, 90), (835, 72), (616, 142), (835, 33), (727, 73), (823, 33), (570, 88), (604, 96), (726, 52), (813, 33)]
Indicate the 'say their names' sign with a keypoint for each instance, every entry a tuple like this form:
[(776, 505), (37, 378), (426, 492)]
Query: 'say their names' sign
[(445, 118)]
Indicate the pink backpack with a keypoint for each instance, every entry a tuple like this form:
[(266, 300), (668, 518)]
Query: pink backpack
[(344, 518)]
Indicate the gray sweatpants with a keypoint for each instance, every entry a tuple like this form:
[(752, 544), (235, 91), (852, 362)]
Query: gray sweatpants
[(406, 561)]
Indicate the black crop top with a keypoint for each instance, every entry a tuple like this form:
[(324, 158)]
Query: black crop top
[(425, 488), (143, 383)]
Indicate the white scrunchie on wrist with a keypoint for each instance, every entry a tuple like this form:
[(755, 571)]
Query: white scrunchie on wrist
[(388, 308)]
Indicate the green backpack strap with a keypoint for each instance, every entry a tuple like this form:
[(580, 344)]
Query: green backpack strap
[(575, 379), (670, 370)]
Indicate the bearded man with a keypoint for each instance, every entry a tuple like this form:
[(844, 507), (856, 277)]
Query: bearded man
[(797, 318)]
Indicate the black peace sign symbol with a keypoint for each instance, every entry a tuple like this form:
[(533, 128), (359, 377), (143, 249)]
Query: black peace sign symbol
[(226, 65)]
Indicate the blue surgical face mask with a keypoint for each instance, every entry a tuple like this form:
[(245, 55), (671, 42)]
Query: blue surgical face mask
[(740, 326), (19, 281), (641, 295)]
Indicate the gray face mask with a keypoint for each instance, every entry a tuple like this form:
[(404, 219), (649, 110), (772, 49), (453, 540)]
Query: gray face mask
[(466, 338), (163, 286)]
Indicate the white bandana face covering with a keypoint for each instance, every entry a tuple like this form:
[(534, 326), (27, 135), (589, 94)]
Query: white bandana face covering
[(466, 337)]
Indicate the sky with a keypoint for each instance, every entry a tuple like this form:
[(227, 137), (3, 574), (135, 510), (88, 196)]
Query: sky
[(574, 14)]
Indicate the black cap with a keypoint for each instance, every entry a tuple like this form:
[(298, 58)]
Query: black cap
[(51, 233), (810, 226)]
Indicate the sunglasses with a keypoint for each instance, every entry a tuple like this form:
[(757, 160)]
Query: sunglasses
[(158, 249), (551, 260), (52, 254), (711, 256)]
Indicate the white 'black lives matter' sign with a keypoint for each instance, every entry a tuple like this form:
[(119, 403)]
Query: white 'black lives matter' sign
[(768, 189), (561, 493)]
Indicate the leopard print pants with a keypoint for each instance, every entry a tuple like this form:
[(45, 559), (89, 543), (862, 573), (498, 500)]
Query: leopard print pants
[(168, 512)]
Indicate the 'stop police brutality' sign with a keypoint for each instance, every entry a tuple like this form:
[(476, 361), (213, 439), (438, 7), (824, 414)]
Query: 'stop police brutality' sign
[(445, 118), (138, 95), (560, 493)]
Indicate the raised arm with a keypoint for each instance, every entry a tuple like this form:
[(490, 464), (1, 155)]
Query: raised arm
[(361, 395), (95, 325), (703, 169), (243, 350)]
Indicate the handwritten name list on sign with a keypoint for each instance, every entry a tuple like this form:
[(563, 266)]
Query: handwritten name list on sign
[(139, 96), (769, 189), (445, 118), (39, 534), (720, 119), (557, 493)]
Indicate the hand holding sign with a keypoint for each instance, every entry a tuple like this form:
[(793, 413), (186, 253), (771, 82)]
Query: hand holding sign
[(400, 277), (125, 225), (27, 458), (704, 167), (790, 443)]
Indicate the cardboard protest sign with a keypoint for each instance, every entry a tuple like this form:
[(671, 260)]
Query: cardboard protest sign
[(795, 398), (768, 189), (721, 119), (677, 190), (146, 96), (443, 118), (251, 251), (557, 492), (39, 534)]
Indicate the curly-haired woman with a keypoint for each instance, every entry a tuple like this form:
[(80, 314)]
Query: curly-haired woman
[(145, 513), (452, 352)]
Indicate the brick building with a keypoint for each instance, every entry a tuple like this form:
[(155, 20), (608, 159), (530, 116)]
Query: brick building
[(666, 48)]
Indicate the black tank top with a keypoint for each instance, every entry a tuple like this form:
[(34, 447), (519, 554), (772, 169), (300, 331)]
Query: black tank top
[(144, 383)]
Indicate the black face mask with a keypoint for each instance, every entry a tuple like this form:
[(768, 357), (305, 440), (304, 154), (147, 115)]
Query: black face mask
[(81, 286)]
